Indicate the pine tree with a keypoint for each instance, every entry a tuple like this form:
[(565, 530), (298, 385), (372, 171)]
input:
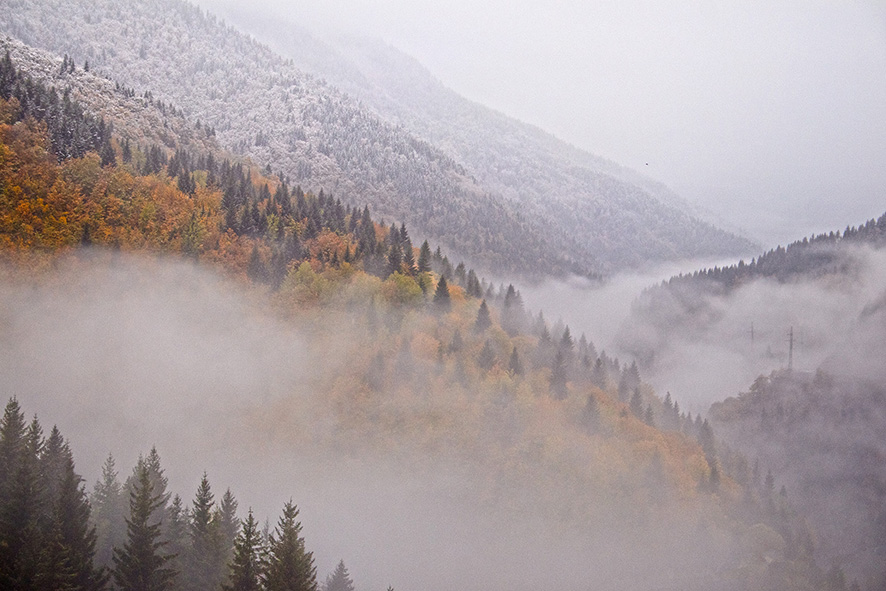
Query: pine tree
[(109, 513), (559, 376), (484, 320), (202, 571), (424, 258), (159, 483), (441, 296), (512, 315), (339, 580), (178, 539), (20, 497), (228, 525), (246, 568), (395, 259), (567, 344), (69, 548), (457, 343), (290, 566), (649, 416), (637, 404), (141, 564), (408, 257)]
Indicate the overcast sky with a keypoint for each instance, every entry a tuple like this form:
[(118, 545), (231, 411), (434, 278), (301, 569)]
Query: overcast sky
[(771, 113)]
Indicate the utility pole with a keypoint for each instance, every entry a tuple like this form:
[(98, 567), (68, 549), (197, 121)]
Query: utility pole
[(791, 350)]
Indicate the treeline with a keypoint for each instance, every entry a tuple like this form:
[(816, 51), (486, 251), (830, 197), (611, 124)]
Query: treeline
[(181, 202), (72, 132), (810, 257), (821, 430), (133, 535)]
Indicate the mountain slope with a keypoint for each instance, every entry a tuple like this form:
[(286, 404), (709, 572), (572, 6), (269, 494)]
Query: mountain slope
[(262, 106), (624, 216)]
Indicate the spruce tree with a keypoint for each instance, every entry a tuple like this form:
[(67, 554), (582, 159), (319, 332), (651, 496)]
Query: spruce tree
[(202, 571), (20, 496), (559, 376), (69, 549), (637, 404), (441, 296), (290, 566), (109, 513), (177, 536), (484, 320), (246, 568), (340, 579), (424, 258), (141, 564), (228, 525), (395, 259)]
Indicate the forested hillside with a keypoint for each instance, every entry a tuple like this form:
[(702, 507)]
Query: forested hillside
[(823, 433), (260, 105), (406, 362), (625, 218)]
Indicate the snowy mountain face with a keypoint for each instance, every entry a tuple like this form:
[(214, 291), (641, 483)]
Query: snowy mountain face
[(622, 217), (139, 119), (504, 195)]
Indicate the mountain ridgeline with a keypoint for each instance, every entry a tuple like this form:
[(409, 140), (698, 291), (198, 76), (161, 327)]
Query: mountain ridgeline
[(581, 220), (691, 305)]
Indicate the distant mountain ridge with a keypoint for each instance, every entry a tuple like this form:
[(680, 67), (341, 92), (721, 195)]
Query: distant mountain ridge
[(263, 107)]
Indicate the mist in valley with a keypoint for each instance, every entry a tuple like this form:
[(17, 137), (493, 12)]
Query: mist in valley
[(720, 348), (123, 353)]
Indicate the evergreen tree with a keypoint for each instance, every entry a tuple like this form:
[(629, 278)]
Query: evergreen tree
[(559, 376), (140, 565), (649, 416), (19, 498), (202, 569), (512, 316), (424, 258), (408, 257), (109, 513), (567, 344), (486, 358), (290, 567), (108, 157), (228, 525), (637, 404), (69, 549), (339, 580), (515, 367), (159, 483), (484, 320), (457, 343), (246, 568), (441, 296), (178, 539), (395, 259)]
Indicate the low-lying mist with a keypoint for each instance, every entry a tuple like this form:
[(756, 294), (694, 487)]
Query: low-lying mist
[(730, 340), (126, 353)]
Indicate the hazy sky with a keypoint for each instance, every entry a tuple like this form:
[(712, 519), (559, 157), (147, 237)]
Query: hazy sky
[(773, 114)]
